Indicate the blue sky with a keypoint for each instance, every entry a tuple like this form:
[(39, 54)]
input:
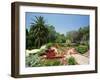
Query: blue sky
[(62, 22)]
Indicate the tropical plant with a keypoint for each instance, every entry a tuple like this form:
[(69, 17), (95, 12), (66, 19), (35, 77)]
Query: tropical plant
[(32, 60), (40, 31)]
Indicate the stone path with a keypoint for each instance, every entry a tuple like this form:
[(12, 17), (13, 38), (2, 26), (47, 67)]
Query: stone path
[(86, 54), (80, 59)]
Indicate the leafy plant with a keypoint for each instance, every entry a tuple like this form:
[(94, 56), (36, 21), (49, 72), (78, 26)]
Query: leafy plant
[(41, 52), (32, 60), (40, 31), (82, 49), (71, 61)]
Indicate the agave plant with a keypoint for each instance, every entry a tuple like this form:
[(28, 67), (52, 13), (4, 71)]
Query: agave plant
[(32, 60)]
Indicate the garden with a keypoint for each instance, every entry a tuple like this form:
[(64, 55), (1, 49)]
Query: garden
[(47, 47)]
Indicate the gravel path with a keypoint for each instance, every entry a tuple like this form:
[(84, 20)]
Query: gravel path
[(80, 59), (86, 54)]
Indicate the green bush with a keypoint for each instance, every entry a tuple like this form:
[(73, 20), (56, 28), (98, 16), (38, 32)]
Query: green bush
[(71, 61), (84, 43), (82, 49), (49, 45), (56, 63)]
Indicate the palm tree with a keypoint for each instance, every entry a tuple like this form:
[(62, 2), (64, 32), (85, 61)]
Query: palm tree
[(40, 31)]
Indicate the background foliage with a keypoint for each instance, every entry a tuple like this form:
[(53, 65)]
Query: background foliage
[(41, 33)]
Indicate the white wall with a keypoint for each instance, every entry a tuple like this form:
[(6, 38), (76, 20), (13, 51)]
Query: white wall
[(5, 40)]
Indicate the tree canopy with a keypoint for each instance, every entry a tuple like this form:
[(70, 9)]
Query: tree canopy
[(41, 33)]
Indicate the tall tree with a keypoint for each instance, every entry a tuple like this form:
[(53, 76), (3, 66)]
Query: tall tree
[(72, 36), (81, 35), (60, 38), (40, 31), (29, 39), (52, 33)]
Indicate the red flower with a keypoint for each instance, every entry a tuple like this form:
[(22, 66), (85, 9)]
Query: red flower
[(51, 54)]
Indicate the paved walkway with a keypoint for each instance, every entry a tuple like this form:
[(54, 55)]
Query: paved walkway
[(80, 59)]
